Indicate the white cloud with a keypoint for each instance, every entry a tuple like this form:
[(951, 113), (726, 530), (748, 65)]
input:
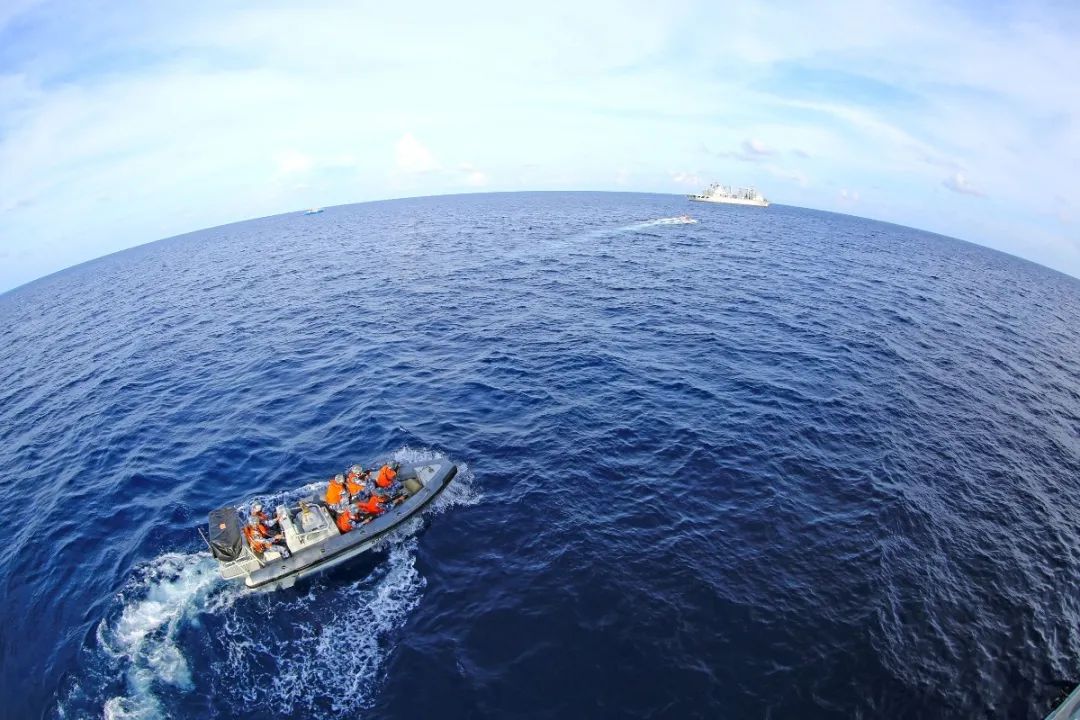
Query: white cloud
[(413, 157), (292, 162), (867, 122), (750, 150), (754, 147), (960, 184), (344, 160), (472, 176), (683, 177), (784, 174), (414, 162)]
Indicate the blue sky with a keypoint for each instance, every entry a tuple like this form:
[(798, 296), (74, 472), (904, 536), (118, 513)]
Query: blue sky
[(122, 123)]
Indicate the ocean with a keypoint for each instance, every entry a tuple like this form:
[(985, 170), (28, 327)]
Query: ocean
[(775, 463)]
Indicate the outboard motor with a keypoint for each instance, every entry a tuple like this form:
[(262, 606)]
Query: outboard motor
[(226, 538)]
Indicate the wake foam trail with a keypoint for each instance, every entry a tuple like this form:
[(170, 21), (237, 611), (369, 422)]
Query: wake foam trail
[(320, 654), (179, 634), (140, 642), (679, 220)]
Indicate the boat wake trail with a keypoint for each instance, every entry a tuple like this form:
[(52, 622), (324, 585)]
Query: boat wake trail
[(138, 656), (180, 641), (320, 654), (679, 220)]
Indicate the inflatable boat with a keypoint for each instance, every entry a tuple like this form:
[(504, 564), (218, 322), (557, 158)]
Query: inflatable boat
[(1069, 709), (311, 541)]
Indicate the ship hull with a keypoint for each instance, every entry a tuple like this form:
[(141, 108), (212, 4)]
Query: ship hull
[(729, 201)]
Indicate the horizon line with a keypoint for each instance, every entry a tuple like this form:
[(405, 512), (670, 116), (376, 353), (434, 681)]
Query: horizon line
[(40, 278)]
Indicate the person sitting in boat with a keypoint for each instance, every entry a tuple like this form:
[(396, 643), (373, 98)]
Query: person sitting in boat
[(259, 536), (264, 519), (345, 520), (386, 476), (354, 481), (335, 491), (373, 505)]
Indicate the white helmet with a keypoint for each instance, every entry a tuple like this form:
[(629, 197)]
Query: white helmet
[(257, 507), (339, 478)]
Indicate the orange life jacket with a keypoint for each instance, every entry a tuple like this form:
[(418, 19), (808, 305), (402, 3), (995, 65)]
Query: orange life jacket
[(257, 543), (263, 520), (352, 485), (334, 493), (259, 528), (344, 521), (386, 476), (373, 505)]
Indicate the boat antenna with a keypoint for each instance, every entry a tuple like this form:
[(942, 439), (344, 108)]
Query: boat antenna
[(208, 545)]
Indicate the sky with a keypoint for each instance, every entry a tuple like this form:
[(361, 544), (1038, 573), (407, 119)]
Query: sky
[(122, 123)]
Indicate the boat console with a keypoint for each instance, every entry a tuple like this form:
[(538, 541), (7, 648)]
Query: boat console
[(305, 525)]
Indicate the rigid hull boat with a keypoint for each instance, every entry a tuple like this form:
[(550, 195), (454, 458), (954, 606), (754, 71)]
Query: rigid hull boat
[(311, 536)]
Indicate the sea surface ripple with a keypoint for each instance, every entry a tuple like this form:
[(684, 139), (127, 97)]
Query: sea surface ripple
[(777, 463)]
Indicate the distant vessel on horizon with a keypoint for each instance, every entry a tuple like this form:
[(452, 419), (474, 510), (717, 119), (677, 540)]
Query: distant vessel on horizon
[(313, 211), (717, 193)]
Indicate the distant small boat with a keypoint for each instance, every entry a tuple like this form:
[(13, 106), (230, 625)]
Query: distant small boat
[(717, 193), (313, 211)]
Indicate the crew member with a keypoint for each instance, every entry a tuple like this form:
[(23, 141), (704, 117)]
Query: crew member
[(373, 505), (335, 491), (345, 520), (354, 481), (257, 512), (387, 473), (258, 535)]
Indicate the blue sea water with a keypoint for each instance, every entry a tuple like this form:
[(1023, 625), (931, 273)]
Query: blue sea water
[(778, 463)]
